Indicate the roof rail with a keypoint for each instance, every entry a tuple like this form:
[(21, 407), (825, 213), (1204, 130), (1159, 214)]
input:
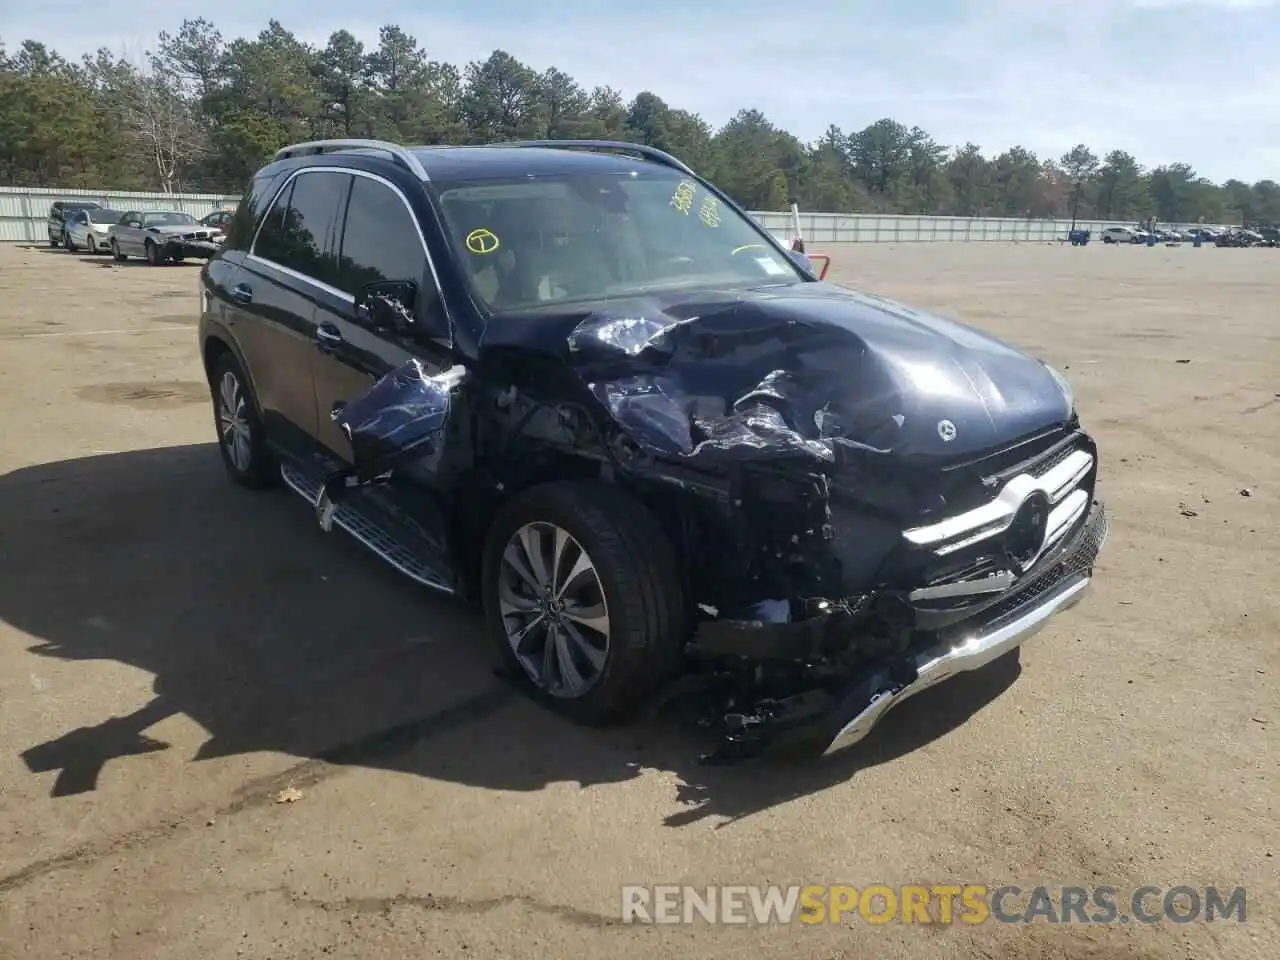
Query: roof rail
[(606, 146), (313, 147)]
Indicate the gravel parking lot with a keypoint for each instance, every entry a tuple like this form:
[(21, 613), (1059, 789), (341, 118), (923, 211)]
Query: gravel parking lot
[(177, 654)]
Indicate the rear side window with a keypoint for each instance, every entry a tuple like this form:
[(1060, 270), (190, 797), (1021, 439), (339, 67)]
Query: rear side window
[(380, 240), (298, 232)]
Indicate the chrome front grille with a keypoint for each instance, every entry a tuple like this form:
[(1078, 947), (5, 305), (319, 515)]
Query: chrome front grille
[(1058, 481)]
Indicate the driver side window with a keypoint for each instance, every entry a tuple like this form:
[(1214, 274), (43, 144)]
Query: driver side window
[(380, 242)]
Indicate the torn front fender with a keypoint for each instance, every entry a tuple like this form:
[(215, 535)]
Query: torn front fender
[(696, 390), (401, 419)]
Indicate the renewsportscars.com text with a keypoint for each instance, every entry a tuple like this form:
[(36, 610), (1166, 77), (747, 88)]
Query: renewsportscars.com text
[(937, 903)]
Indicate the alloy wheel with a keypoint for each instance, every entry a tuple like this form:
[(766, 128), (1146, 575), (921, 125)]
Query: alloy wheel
[(553, 610), (233, 422)]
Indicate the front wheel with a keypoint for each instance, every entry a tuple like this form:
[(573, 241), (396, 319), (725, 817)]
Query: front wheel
[(583, 599), (115, 251), (153, 255)]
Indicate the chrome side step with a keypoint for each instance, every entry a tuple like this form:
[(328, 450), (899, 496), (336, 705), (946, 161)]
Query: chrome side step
[(367, 532)]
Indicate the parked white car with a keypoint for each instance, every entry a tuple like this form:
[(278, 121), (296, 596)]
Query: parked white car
[(1121, 235), (87, 230)]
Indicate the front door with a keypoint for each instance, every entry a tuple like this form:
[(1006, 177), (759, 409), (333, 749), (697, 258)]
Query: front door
[(379, 241), (128, 233)]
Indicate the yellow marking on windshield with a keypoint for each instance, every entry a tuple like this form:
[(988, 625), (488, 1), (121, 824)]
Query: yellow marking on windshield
[(682, 199), (709, 212), (482, 241)]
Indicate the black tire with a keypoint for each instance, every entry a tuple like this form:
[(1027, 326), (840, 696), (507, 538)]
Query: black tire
[(260, 471), (154, 257), (66, 242), (638, 570), (115, 252)]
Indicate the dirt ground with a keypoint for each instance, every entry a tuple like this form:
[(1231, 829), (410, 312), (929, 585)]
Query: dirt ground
[(175, 652)]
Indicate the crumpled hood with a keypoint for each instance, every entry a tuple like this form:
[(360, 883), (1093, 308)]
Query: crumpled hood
[(801, 370)]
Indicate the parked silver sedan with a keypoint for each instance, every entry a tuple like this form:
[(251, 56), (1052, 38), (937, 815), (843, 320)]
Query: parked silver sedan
[(162, 236)]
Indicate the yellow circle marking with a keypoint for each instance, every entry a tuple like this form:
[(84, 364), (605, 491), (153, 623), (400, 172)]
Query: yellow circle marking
[(482, 240)]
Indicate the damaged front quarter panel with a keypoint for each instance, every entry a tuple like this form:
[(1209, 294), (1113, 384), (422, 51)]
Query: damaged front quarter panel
[(401, 420), (723, 392)]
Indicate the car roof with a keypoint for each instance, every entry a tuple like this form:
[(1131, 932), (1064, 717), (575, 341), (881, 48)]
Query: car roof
[(490, 163)]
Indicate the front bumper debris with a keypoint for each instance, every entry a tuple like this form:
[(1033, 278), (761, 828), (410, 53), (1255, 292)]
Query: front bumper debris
[(195, 249), (842, 716)]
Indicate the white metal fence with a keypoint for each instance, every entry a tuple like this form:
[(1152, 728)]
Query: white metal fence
[(825, 228), (24, 213)]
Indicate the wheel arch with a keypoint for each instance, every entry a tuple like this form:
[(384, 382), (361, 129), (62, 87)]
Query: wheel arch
[(478, 503), (215, 344)]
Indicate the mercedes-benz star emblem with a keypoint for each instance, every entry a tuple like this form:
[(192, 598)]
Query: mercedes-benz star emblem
[(946, 430), (1024, 539)]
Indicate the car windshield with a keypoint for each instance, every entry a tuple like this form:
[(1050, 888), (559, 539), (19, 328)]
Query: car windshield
[(166, 219), (529, 243), (105, 216)]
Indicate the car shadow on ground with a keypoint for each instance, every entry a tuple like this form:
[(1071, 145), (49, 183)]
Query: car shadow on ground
[(105, 259), (274, 636)]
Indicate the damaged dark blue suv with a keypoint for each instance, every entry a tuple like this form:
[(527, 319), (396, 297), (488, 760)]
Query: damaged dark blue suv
[(575, 383)]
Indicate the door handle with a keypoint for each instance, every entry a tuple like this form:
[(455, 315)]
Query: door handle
[(328, 334), (242, 293)]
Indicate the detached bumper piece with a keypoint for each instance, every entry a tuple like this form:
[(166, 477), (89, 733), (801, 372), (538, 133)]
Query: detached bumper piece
[(193, 249), (842, 715)]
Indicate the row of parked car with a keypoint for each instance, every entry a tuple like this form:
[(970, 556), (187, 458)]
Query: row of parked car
[(1233, 237), (158, 236)]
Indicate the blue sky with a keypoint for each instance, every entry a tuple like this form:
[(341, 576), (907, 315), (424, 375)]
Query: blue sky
[(1167, 80)]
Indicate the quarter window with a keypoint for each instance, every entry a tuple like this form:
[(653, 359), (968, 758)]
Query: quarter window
[(380, 240)]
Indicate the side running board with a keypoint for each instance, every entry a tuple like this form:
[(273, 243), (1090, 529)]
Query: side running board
[(366, 529)]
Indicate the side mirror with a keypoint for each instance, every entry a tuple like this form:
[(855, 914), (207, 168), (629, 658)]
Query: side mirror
[(802, 260), (387, 304)]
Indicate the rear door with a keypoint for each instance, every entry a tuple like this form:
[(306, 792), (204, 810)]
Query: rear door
[(287, 272), (380, 240)]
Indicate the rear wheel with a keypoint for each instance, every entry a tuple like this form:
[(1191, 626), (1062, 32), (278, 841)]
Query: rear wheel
[(582, 598), (241, 439)]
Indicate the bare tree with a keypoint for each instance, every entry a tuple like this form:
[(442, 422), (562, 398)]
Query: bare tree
[(164, 124)]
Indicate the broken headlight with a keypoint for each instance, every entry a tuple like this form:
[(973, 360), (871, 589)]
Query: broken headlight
[(1065, 386)]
